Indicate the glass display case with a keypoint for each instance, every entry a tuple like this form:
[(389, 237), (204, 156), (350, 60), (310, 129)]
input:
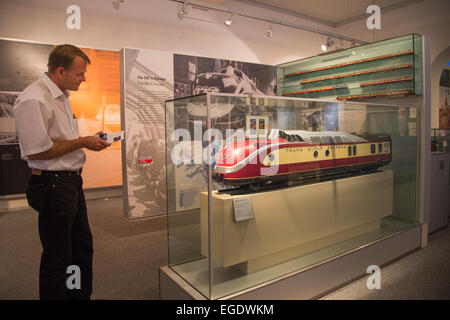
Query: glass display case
[(440, 140), (261, 187), (388, 68)]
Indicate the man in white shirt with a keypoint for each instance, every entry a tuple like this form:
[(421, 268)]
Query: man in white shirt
[(50, 143)]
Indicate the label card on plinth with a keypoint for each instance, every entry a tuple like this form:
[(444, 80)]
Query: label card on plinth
[(242, 209)]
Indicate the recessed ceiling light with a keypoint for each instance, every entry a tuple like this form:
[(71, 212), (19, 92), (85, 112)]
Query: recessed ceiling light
[(229, 21)]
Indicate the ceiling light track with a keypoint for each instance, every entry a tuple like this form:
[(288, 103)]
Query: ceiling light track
[(274, 21)]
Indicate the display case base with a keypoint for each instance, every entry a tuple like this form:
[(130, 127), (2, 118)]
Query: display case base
[(306, 283)]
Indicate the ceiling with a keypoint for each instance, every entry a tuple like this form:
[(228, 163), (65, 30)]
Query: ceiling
[(333, 13)]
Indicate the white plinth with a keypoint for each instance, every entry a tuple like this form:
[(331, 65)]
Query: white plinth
[(293, 221)]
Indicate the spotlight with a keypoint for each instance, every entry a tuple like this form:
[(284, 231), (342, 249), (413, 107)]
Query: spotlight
[(116, 4), (269, 31), (229, 21), (327, 44), (182, 12)]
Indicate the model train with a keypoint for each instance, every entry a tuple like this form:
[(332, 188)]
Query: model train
[(289, 155)]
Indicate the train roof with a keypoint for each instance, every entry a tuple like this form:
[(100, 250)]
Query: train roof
[(315, 137)]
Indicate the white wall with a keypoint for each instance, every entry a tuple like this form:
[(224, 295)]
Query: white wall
[(154, 25)]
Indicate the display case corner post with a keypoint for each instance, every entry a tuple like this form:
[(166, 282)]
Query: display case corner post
[(167, 183), (122, 64), (424, 177), (210, 222)]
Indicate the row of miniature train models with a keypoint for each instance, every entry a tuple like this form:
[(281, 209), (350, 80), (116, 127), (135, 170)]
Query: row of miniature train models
[(403, 66), (308, 91), (374, 83), (387, 56), (376, 95), (365, 84)]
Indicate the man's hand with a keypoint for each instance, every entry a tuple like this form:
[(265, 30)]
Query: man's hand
[(94, 143), (61, 148)]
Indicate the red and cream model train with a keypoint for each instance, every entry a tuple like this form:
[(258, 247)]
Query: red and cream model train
[(289, 155)]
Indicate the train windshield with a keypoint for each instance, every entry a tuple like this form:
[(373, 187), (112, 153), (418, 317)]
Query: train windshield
[(290, 137)]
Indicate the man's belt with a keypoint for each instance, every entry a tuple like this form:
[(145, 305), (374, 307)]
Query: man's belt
[(67, 173)]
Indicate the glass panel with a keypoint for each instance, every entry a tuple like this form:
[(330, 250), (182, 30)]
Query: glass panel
[(288, 190), (186, 121)]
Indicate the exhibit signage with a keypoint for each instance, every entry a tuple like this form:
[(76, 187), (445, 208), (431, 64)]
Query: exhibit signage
[(242, 209)]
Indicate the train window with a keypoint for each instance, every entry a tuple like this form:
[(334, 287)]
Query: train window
[(345, 139), (386, 147), (327, 153), (327, 140), (294, 138), (316, 154), (349, 151), (372, 148), (316, 140), (283, 135), (354, 150), (380, 148), (290, 137)]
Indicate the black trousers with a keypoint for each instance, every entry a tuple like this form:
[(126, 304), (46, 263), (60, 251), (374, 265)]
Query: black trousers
[(65, 236)]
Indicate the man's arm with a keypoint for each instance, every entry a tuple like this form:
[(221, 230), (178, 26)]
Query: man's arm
[(60, 148)]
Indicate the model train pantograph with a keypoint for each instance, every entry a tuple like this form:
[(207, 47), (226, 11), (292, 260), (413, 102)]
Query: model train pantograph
[(298, 154)]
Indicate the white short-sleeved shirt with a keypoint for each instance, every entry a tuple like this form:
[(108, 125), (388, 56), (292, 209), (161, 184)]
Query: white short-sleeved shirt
[(43, 114)]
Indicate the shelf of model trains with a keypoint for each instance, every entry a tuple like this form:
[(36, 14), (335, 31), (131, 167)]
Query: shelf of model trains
[(376, 95), (345, 64), (342, 85), (389, 81), (365, 84), (359, 73), (247, 189), (310, 91)]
